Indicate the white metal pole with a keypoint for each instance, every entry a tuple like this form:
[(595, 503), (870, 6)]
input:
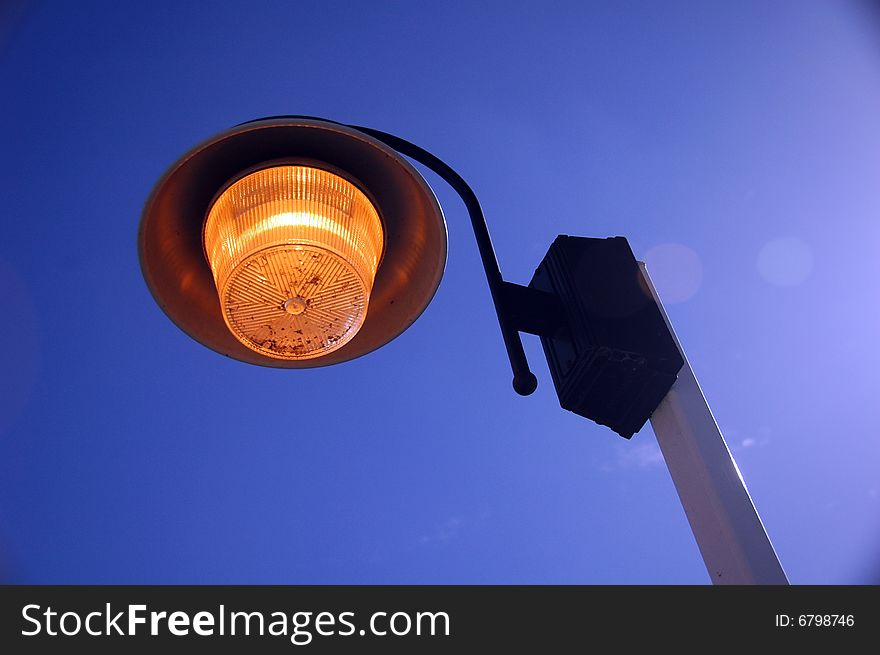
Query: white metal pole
[(728, 530)]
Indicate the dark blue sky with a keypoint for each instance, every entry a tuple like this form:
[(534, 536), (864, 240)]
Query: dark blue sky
[(736, 146)]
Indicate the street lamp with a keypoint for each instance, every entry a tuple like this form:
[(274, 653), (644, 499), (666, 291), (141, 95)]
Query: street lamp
[(285, 190), (296, 242)]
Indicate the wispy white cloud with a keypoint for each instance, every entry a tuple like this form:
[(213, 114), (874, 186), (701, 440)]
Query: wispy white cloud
[(634, 457), (756, 438)]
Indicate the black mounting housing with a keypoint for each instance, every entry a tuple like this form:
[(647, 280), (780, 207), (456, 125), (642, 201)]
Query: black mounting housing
[(613, 358)]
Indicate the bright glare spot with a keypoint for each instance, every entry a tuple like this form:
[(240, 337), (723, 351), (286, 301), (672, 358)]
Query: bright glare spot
[(785, 262), (675, 270), (748, 442), (738, 472)]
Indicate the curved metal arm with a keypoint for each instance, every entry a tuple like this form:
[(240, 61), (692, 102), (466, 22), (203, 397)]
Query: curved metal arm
[(524, 381)]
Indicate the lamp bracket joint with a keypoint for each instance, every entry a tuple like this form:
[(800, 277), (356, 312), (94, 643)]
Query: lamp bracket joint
[(531, 310)]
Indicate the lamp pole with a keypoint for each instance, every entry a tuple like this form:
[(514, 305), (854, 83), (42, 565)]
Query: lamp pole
[(726, 526)]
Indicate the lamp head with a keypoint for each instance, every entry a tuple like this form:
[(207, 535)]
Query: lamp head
[(292, 242)]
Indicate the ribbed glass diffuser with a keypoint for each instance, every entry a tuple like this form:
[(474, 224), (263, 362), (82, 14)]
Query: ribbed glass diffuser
[(294, 252)]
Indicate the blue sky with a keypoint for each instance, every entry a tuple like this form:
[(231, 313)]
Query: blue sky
[(737, 146)]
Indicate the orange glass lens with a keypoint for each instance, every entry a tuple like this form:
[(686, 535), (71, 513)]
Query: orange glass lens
[(294, 252)]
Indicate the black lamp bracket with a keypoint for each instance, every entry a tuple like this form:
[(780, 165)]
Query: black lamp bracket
[(518, 308)]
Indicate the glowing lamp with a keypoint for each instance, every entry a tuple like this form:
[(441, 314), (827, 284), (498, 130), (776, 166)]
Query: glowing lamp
[(294, 252), (292, 242)]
